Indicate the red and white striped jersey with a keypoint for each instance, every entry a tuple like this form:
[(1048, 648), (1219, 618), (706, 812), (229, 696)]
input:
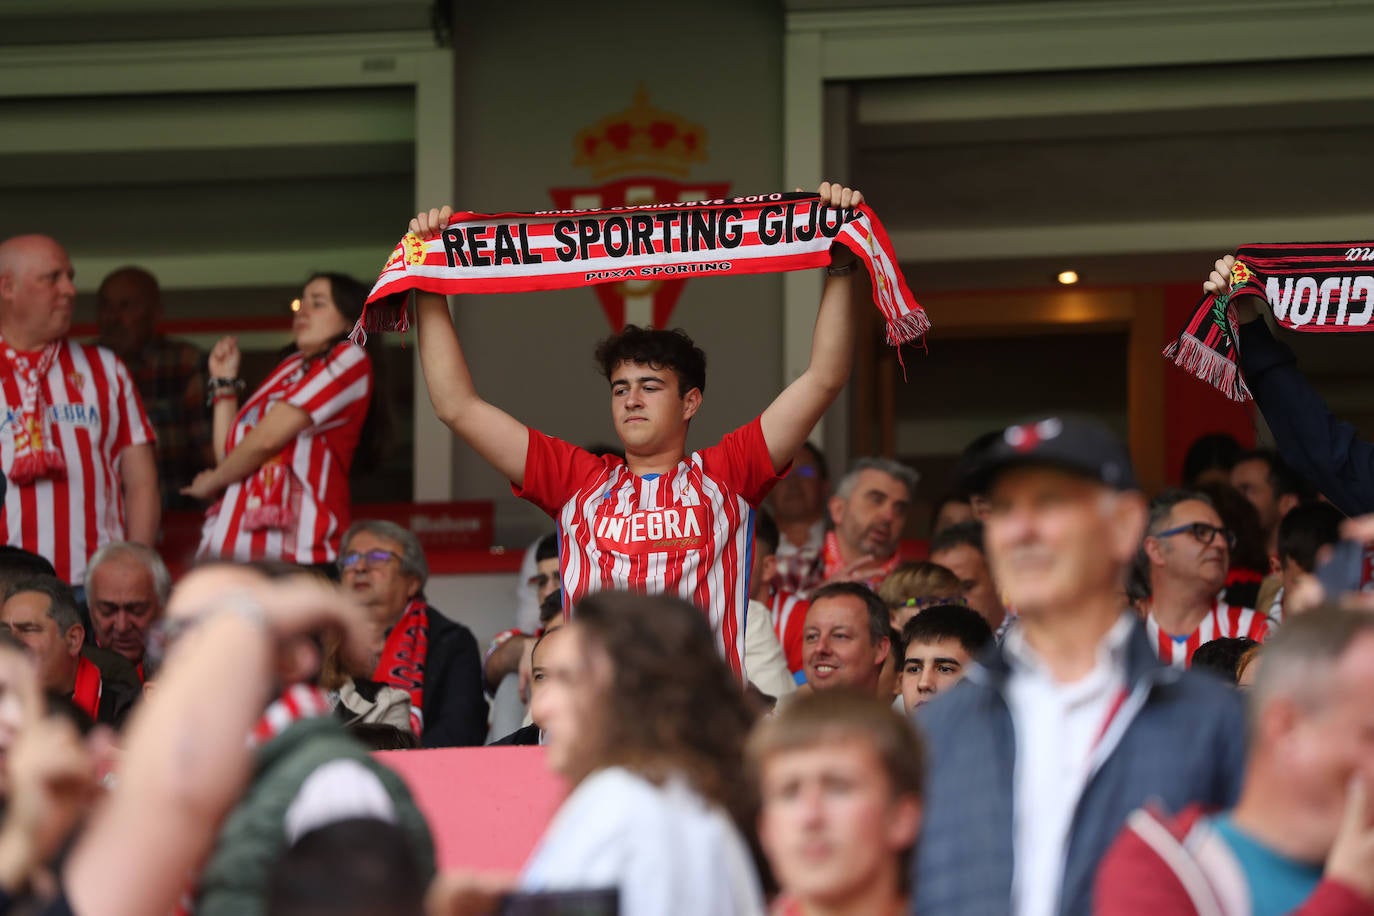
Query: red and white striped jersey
[(1224, 622), (789, 622), (687, 533), (94, 413), (335, 391)]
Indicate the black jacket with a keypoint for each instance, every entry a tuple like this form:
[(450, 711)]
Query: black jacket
[(1323, 450), (455, 707)]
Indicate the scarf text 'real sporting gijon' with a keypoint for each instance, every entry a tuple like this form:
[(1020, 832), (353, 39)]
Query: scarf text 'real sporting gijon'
[(564, 249), (1311, 286)]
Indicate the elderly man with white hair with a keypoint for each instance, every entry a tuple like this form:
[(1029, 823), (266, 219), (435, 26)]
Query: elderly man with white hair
[(127, 586)]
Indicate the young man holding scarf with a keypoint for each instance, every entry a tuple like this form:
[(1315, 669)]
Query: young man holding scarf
[(662, 520)]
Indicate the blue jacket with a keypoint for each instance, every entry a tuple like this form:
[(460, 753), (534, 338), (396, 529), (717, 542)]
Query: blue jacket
[(1183, 743), (1326, 452)]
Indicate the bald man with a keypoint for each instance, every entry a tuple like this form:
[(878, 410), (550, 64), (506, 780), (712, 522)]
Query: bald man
[(74, 440), (169, 374)]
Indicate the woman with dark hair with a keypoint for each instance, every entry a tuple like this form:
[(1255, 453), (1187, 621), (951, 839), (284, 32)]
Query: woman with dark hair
[(283, 457), (644, 718)]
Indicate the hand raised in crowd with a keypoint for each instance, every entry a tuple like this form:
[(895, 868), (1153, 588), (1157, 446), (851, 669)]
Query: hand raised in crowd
[(1219, 283), (1351, 861), (225, 358), (294, 606), (837, 195), (427, 224), (51, 785)]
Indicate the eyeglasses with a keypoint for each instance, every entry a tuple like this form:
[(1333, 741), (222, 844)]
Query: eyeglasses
[(803, 470), (1202, 532), (373, 557)]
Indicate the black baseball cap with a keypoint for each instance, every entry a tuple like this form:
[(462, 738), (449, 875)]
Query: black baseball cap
[(1066, 442)]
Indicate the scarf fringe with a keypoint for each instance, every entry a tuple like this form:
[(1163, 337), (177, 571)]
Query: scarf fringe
[(31, 466), (1202, 362), (907, 328)]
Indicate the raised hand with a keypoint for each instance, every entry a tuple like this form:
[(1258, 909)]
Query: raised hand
[(427, 224), (225, 358)]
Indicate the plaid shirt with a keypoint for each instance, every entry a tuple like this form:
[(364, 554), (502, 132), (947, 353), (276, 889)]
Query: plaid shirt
[(170, 375), (800, 569)]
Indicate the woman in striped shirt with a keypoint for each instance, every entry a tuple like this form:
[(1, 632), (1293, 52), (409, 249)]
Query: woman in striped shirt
[(284, 456)]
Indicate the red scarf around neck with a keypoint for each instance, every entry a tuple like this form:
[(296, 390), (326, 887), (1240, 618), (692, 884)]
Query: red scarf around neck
[(402, 664), (89, 687), (834, 563), (34, 454)]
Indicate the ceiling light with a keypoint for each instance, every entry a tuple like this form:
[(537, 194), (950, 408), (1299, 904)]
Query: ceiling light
[(1068, 277)]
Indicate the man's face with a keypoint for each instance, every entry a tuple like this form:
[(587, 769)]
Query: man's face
[(1324, 748), (126, 311), (870, 521), (952, 512), (801, 494), (545, 580), (828, 821), (1184, 558), (376, 577), (19, 703), (1054, 538), (569, 702), (1253, 480), (37, 296), (975, 578), (837, 650), (124, 606), (55, 652), (931, 667), (646, 408)]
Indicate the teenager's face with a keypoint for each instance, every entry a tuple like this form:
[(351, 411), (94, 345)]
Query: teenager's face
[(569, 703), (648, 412), (931, 667), (829, 823)]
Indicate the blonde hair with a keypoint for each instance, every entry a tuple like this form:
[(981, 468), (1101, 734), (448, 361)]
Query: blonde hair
[(917, 580)]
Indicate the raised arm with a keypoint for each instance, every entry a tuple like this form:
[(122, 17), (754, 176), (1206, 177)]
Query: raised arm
[(792, 415), (498, 437), (1321, 448), (186, 757)]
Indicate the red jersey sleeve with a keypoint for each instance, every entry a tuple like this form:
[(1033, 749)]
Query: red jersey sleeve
[(333, 384), (740, 460), (134, 427), (555, 471)]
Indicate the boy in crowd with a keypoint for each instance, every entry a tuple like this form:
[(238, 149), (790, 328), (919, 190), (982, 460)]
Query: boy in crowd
[(940, 644)]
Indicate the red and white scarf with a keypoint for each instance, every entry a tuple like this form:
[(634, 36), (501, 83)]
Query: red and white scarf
[(34, 454), (565, 249), (89, 687), (402, 664), (835, 563), (297, 703)]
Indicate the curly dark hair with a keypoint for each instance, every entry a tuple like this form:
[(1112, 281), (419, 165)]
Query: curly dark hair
[(674, 706), (659, 349)]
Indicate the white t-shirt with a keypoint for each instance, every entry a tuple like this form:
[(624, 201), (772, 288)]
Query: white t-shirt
[(664, 847)]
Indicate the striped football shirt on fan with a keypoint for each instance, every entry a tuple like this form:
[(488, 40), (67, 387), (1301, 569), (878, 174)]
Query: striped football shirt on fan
[(1222, 622), (789, 622), (94, 413), (688, 532), (335, 392)]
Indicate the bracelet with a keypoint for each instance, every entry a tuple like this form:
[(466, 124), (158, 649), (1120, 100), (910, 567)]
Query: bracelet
[(222, 389), (842, 271)]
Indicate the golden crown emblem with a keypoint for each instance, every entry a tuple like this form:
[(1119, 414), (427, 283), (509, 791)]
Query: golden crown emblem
[(640, 137)]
